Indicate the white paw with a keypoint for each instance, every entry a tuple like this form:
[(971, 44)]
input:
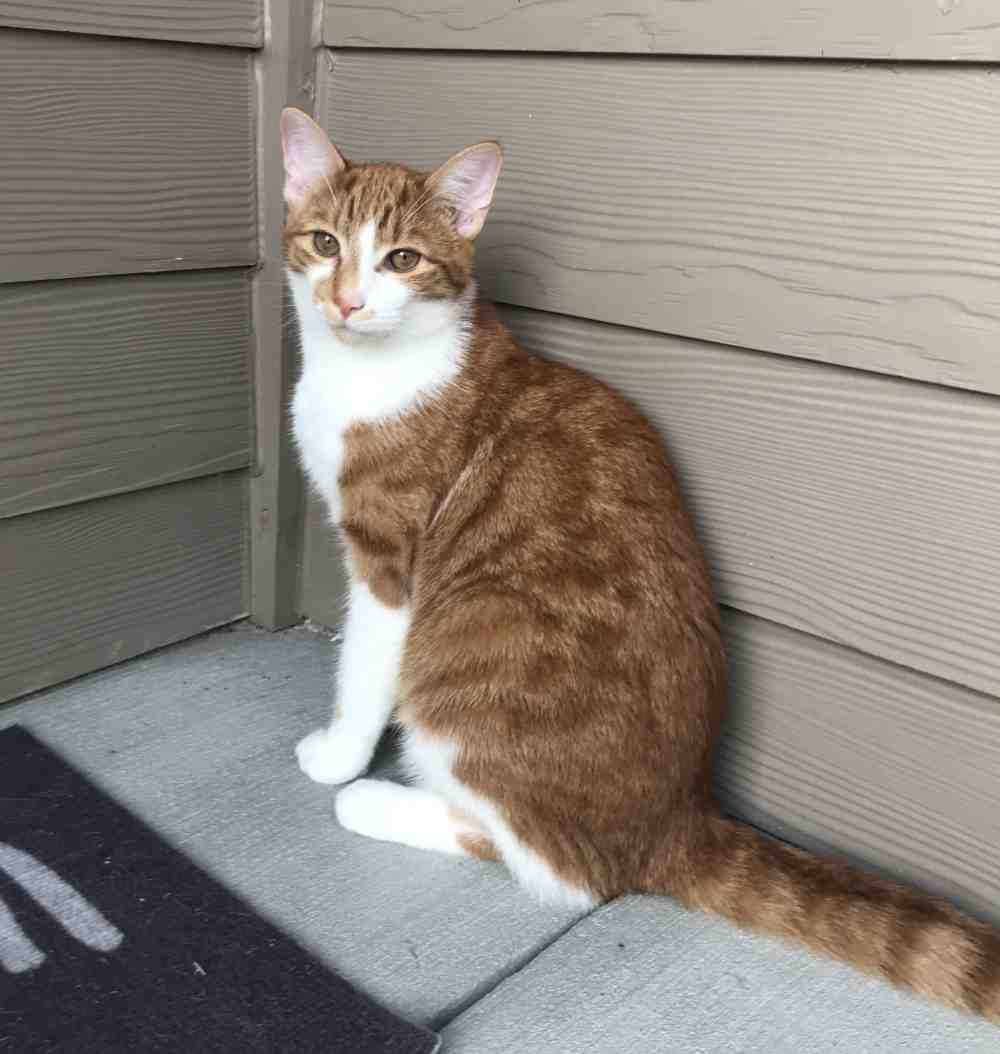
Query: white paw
[(367, 807), (327, 757)]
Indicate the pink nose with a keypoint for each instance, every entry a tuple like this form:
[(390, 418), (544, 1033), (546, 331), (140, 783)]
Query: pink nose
[(349, 302)]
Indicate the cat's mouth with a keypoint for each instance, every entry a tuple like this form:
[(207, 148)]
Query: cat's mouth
[(358, 327)]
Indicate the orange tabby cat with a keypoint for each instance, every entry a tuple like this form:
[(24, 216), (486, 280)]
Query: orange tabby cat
[(527, 595)]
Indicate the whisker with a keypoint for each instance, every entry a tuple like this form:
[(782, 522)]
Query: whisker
[(333, 198)]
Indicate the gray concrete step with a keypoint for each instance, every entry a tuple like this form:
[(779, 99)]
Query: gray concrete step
[(644, 976), (198, 741)]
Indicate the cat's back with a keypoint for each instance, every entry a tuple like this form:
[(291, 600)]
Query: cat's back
[(568, 495), (561, 431)]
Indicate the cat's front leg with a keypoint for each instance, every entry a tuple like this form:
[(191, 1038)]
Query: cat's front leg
[(366, 684)]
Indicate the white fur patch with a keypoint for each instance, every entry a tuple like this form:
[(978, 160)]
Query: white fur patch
[(319, 271), (392, 813), (365, 248), (432, 761), (367, 682)]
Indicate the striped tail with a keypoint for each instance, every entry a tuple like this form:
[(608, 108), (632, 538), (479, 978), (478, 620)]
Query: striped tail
[(912, 940)]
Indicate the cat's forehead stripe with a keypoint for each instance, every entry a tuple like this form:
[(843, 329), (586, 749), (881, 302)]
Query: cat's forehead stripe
[(385, 194), (365, 243)]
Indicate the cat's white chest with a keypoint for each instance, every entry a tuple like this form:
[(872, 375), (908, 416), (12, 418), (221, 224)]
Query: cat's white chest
[(346, 383), (318, 423)]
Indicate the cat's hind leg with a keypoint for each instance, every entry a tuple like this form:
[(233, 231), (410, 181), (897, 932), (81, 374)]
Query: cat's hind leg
[(432, 759), (390, 812)]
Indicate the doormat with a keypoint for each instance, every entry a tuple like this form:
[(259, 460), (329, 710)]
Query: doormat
[(112, 941)]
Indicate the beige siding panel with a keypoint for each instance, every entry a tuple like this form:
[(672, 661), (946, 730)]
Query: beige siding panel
[(833, 750), (867, 29), (113, 384), (859, 508), (123, 156), (323, 588), (847, 214), (92, 584), (238, 22)]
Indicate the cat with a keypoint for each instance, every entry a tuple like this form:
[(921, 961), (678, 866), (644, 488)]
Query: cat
[(528, 598)]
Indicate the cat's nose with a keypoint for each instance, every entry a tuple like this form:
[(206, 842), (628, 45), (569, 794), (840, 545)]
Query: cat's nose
[(349, 301)]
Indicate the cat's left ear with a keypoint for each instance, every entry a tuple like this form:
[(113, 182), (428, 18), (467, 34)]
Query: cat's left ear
[(309, 154), (467, 181)]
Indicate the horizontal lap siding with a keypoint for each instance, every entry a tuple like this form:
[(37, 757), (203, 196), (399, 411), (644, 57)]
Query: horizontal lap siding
[(868, 29), (87, 585), (831, 212), (836, 751), (125, 409), (113, 384), (236, 22), (123, 156), (859, 508)]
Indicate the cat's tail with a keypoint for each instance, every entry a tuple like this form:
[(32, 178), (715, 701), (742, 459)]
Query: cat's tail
[(875, 925)]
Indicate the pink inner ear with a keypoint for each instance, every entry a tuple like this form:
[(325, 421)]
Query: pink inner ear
[(478, 173), (469, 181), (309, 155)]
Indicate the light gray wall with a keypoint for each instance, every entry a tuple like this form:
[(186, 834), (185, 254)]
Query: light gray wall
[(238, 22), (128, 238), (865, 29), (790, 265)]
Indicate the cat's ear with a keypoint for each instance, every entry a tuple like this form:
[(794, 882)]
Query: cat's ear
[(309, 154), (467, 181)]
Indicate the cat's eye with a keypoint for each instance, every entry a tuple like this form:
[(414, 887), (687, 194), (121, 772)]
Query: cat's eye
[(403, 259), (325, 244)]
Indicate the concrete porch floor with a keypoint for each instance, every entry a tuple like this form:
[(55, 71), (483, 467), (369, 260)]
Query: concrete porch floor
[(197, 740)]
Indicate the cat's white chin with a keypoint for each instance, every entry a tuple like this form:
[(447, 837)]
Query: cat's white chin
[(417, 321), (369, 328)]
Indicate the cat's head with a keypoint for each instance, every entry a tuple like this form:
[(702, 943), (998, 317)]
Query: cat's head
[(376, 248)]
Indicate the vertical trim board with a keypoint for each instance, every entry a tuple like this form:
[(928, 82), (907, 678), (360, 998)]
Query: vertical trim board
[(285, 77)]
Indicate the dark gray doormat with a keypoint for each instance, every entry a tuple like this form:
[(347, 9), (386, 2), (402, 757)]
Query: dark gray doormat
[(112, 941)]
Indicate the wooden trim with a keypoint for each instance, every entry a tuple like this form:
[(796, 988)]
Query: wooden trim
[(821, 29), (284, 78), (234, 22)]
